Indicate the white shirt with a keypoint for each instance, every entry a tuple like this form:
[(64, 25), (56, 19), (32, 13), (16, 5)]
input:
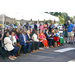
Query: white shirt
[(24, 37), (28, 35), (14, 39), (35, 37), (55, 25), (8, 44)]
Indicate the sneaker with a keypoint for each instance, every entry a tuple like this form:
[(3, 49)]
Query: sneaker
[(32, 52), (69, 42), (14, 57), (11, 58), (60, 45)]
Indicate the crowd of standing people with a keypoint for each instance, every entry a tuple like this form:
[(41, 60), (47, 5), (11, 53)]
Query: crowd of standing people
[(30, 37)]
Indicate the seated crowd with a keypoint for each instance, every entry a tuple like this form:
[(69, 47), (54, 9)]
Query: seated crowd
[(16, 40)]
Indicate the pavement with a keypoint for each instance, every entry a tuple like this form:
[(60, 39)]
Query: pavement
[(64, 53)]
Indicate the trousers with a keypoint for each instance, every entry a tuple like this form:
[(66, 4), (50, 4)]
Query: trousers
[(51, 42), (24, 45), (18, 45), (44, 42), (14, 50), (36, 45)]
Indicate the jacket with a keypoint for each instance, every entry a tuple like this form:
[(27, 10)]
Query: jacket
[(29, 38), (8, 44), (35, 26), (21, 38), (47, 37)]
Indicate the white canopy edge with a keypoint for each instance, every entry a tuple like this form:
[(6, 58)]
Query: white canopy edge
[(27, 16)]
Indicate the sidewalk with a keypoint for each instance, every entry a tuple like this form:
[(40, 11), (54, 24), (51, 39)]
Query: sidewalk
[(46, 55)]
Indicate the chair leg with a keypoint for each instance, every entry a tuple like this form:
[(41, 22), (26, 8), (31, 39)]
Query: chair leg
[(3, 55)]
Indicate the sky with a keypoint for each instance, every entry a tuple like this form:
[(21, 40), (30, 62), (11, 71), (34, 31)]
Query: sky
[(71, 14)]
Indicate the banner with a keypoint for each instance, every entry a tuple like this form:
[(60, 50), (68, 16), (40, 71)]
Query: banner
[(1, 26)]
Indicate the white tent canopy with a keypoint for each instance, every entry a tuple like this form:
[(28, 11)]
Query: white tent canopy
[(41, 16), (35, 16)]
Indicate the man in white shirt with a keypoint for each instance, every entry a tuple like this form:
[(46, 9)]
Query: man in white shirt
[(55, 25)]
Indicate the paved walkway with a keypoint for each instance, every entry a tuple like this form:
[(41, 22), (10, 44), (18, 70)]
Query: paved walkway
[(64, 53)]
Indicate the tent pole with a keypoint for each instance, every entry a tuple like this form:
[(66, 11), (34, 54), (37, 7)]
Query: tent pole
[(3, 29), (37, 26)]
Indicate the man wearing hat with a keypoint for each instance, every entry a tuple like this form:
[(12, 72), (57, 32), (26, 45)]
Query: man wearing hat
[(70, 28)]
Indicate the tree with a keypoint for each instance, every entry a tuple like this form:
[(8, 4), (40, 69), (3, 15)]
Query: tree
[(61, 20), (71, 19), (63, 16)]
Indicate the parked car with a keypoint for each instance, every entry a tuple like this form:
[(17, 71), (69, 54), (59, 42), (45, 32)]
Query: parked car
[(60, 27)]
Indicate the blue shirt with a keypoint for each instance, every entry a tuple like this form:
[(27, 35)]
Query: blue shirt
[(70, 27), (57, 34)]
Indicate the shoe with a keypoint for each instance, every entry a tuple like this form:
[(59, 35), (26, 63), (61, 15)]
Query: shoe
[(36, 50), (32, 52), (28, 51), (24, 52), (50, 46), (69, 42), (54, 46), (11, 58), (60, 45), (14, 57), (18, 54)]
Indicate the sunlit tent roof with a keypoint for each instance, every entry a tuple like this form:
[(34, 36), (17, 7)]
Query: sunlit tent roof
[(35, 16)]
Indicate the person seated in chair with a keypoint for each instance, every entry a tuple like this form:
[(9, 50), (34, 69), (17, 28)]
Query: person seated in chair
[(31, 40), (49, 38), (0, 38), (42, 38), (15, 44), (36, 41), (24, 42), (8, 46)]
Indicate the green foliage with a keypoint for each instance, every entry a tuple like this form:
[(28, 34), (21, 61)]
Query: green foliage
[(16, 23), (61, 20), (63, 16)]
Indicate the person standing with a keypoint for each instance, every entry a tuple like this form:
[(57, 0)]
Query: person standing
[(45, 26), (35, 26), (70, 28), (65, 31), (27, 25), (55, 25), (11, 26), (41, 27)]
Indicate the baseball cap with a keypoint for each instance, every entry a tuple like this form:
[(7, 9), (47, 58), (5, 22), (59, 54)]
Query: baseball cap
[(68, 20)]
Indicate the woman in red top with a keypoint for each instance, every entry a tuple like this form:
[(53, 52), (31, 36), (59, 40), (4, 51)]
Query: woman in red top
[(42, 38)]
